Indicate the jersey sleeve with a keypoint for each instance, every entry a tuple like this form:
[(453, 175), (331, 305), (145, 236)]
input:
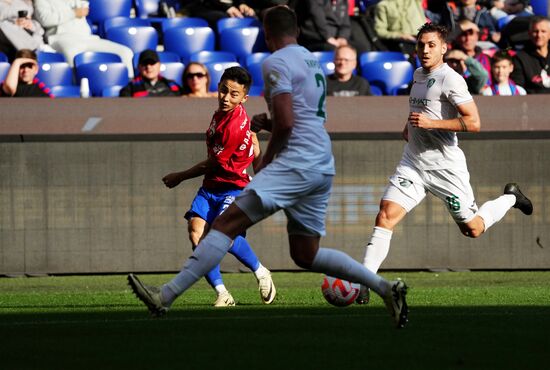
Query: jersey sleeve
[(456, 89), (277, 76)]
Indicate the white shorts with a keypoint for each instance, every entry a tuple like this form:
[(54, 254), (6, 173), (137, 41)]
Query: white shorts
[(302, 194), (408, 187)]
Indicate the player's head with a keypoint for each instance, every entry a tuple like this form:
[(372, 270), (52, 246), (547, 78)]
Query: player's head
[(280, 23), (233, 88), (28, 70), (502, 65), (431, 45)]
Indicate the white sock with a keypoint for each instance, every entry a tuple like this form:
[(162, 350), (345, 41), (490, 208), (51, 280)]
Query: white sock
[(208, 254), (261, 271), (377, 249), (338, 264), (494, 210), (220, 289)]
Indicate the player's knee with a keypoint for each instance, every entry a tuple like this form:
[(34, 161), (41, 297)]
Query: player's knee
[(383, 219), (300, 259)]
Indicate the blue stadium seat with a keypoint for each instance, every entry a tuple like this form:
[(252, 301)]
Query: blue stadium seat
[(242, 41), (381, 56), (255, 70), (95, 56), (216, 71), (326, 58), (389, 76), (540, 7), (502, 22), (111, 91), (55, 73), (136, 38), (125, 22), (66, 91), (49, 57), (101, 75), (172, 71), (226, 23), (183, 22), (3, 57), (164, 56), (256, 90), (375, 90), (146, 8), (257, 57), (185, 41), (212, 56), (4, 68), (100, 10)]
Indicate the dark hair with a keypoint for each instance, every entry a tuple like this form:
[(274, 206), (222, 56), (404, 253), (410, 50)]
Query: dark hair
[(26, 53), (238, 74), (185, 86), (281, 21), (441, 30), (536, 19), (500, 56)]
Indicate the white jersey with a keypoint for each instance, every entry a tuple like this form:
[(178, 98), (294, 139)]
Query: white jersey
[(295, 70), (436, 94)]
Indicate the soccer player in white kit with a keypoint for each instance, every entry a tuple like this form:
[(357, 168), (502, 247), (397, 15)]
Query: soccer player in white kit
[(295, 175), (440, 105)]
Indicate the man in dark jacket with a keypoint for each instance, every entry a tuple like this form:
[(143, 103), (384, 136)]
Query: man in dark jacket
[(532, 64), (149, 82)]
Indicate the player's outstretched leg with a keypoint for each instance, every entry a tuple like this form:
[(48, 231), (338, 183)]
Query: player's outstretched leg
[(149, 295), (364, 295), (522, 202)]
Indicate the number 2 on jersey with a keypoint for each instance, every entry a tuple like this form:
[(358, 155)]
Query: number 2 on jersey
[(320, 79)]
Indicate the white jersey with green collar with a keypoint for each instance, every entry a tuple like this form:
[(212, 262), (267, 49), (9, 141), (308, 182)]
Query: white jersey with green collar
[(295, 70), (436, 94)]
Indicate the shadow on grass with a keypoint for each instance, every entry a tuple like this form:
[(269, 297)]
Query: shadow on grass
[(275, 337)]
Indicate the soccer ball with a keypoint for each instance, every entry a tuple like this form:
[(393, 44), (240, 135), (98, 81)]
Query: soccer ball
[(339, 292)]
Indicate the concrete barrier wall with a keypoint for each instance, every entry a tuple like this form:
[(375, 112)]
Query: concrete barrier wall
[(74, 201)]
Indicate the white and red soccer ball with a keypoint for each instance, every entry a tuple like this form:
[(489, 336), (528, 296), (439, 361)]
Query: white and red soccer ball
[(339, 292)]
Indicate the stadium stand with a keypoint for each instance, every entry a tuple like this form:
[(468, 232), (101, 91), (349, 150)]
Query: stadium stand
[(235, 22), (212, 56), (326, 58), (242, 41), (216, 70), (125, 22), (185, 41), (101, 75), (95, 56), (55, 74), (4, 68), (182, 22), (392, 77), (66, 91), (136, 38), (172, 71), (100, 10), (49, 57)]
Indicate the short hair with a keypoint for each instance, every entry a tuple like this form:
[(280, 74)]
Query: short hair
[(501, 55), (429, 27), (348, 46), (26, 53), (238, 74), (536, 19), (281, 21), (185, 86)]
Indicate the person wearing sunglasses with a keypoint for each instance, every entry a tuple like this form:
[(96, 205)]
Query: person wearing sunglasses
[(149, 82), (21, 79), (196, 81)]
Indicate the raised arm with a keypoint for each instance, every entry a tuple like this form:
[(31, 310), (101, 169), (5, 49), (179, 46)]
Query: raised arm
[(175, 178)]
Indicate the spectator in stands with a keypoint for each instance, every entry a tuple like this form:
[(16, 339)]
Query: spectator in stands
[(468, 9), (21, 80), (69, 33), (532, 64), (467, 42), (519, 8), (397, 21), (343, 82), (17, 28), (214, 10), (149, 82), (324, 24), (196, 81), (502, 66), (515, 33), (497, 9), (473, 72)]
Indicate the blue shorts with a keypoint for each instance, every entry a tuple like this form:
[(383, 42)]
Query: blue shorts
[(210, 204)]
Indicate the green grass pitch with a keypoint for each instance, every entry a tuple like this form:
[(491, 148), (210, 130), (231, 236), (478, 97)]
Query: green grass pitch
[(457, 320)]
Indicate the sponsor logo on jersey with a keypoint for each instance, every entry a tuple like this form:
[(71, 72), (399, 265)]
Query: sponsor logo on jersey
[(431, 82), (418, 102)]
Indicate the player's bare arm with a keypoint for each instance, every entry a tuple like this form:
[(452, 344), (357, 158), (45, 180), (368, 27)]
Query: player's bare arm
[(175, 178), (260, 122), (405, 133), (282, 125), (468, 121)]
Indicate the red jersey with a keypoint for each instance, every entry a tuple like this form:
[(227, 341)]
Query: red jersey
[(229, 142)]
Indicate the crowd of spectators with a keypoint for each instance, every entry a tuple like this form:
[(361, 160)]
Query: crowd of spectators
[(506, 30)]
